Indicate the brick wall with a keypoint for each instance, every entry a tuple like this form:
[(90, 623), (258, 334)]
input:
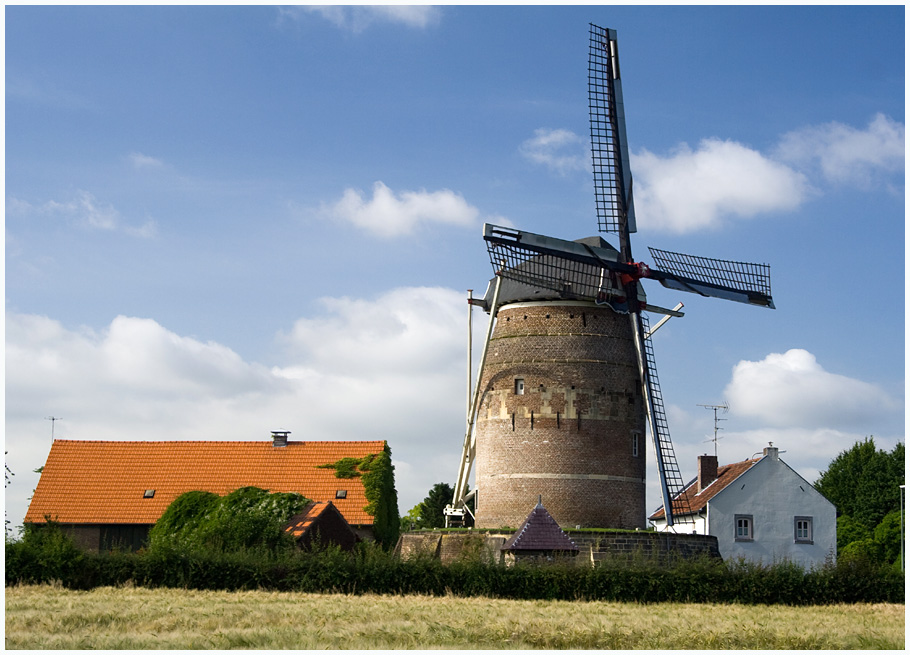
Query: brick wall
[(664, 546), (592, 546), (569, 437)]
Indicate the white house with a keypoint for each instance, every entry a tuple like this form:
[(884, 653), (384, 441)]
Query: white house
[(759, 510)]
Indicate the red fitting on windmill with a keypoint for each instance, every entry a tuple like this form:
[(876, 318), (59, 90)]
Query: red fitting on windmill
[(641, 270)]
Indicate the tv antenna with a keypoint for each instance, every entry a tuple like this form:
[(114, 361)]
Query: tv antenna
[(724, 409), (53, 420)]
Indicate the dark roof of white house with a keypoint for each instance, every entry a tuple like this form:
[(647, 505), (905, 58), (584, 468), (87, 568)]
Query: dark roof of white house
[(698, 500)]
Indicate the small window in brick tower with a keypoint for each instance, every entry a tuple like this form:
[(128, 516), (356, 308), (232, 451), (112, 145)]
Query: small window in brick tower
[(519, 386)]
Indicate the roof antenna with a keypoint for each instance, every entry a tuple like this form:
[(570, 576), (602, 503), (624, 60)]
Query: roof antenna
[(53, 420), (725, 407)]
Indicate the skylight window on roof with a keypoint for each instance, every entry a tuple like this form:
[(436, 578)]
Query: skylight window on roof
[(149, 493), (341, 493)]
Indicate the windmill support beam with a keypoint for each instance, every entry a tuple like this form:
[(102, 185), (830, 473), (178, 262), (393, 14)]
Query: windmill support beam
[(459, 500), (675, 312)]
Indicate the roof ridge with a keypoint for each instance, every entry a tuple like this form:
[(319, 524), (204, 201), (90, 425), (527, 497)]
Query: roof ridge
[(218, 441)]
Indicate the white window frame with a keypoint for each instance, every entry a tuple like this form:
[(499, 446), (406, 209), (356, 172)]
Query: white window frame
[(806, 537), (519, 386), (748, 523), (636, 439)]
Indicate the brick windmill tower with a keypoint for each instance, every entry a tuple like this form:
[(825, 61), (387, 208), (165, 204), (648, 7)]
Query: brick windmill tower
[(567, 391)]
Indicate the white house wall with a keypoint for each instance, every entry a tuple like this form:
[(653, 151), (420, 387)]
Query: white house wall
[(773, 494), (698, 527)]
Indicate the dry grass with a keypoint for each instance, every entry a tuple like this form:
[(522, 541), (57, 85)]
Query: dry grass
[(49, 617)]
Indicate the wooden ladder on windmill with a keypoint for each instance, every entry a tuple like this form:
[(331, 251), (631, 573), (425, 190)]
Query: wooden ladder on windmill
[(666, 456)]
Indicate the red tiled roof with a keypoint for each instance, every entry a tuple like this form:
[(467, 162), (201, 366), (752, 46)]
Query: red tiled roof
[(105, 481), (698, 501)]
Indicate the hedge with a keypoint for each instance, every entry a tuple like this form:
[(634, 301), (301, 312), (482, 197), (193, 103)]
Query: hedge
[(369, 569)]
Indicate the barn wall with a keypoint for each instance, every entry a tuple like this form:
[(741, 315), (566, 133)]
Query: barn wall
[(85, 536), (569, 437)]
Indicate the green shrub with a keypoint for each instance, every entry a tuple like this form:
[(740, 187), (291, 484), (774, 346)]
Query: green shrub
[(47, 554), (247, 519)]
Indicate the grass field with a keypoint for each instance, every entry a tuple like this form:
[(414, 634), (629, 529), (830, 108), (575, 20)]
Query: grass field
[(50, 617)]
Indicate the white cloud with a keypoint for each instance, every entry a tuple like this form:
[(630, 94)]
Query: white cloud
[(560, 150), (405, 331), (720, 180), (138, 160), (390, 367), (690, 189), (358, 18), (793, 390), (84, 210), (389, 215), (845, 154)]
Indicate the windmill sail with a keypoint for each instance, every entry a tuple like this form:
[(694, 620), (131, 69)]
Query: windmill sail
[(609, 149), (571, 269), (576, 269), (717, 278)]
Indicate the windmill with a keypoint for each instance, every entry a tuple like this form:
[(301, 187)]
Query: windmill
[(561, 407)]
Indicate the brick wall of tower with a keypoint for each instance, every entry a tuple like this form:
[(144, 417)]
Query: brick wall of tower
[(569, 436)]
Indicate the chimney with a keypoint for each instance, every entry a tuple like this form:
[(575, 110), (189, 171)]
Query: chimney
[(280, 438), (770, 451), (707, 471)]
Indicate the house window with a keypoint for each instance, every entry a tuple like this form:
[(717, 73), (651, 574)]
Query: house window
[(341, 493), (149, 493), (743, 527), (636, 437), (519, 386), (802, 529)]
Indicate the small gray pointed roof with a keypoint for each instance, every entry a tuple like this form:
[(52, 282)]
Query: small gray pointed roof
[(540, 531)]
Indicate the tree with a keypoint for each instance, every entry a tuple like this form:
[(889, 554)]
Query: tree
[(430, 513), (863, 482), (849, 531), (864, 485), (887, 535), (411, 520)]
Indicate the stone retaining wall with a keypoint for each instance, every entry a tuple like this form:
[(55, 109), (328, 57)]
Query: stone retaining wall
[(593, 546)]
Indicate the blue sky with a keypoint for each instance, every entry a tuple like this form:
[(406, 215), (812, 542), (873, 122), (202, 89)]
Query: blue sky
[(222, 221)]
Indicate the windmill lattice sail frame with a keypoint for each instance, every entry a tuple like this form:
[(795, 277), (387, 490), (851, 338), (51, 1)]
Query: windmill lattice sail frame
[(609, 153)]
